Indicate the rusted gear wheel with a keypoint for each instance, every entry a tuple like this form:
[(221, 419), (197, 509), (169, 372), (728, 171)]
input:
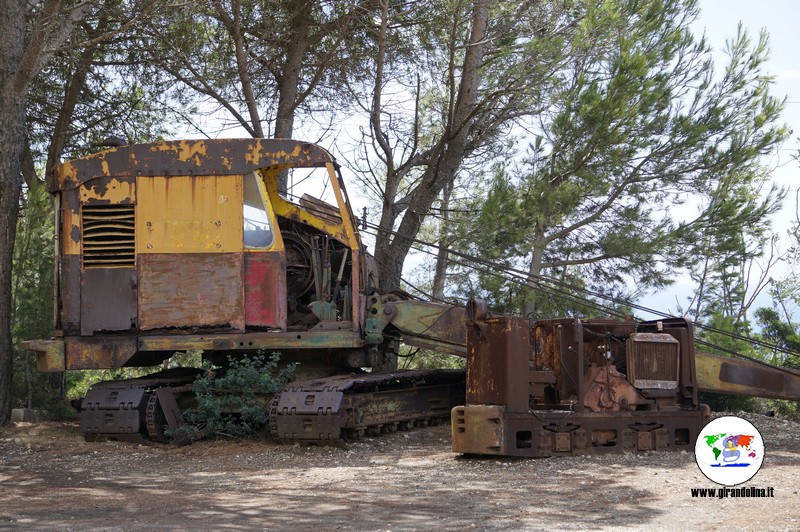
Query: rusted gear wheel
[(299, 273)]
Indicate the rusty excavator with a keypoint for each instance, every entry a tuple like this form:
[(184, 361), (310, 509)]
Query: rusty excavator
[(189, 245)]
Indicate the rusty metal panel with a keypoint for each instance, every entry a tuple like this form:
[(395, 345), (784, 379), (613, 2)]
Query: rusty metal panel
[(551, 432), (570, 352), (105, 163), (644, 441), (563, 442), (498, 359), (70, 293), (191, 290), (188, 157), (223, 156), (70, 223), (547, 355), (271, 341), (99, 352), (49, 354), (265, 290), (559, 348), (477, 429), (104, 190), (427, 325), (108, 300), (189, 214)]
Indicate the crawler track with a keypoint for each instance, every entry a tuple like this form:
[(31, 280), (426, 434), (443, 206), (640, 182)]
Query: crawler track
[(130, 409), (335, 409), (326, 411)]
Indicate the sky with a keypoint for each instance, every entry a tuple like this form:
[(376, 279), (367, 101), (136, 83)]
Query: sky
[(719, 20)]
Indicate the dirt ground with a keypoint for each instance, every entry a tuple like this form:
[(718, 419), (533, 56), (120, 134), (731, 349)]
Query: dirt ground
[(51, 479)]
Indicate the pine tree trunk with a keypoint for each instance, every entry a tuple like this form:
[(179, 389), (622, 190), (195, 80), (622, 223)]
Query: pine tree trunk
[(290, 80), (448, 157), (534, 270), (440, 272), (12, 138)]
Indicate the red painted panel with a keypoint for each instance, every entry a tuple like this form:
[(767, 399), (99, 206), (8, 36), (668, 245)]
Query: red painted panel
[(265, 289)]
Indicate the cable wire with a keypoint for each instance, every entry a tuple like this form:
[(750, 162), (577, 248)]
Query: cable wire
[(557, 287)]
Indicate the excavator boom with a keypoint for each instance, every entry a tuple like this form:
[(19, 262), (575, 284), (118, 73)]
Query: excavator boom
[(718, 374)]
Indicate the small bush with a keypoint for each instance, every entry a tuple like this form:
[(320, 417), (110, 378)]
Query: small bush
[(235, 401), (785, 409), (729, 403)]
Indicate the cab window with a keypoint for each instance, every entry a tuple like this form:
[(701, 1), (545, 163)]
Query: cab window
[(257, 230)]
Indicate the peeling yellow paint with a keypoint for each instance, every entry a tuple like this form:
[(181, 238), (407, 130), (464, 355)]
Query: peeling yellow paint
[(65, 173), (70, 226), (192, 151), (343, 232), (115, 192), (253, 155), (186, 214)]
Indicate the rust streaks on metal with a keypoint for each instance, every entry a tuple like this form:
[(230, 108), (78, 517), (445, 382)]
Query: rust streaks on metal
[(498, 362), (99, 352), (183, 290), (187, 214), (720, 374), (188, 157)]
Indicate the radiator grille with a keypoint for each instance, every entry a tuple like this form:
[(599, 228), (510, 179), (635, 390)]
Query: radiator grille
[(109, 236), (653, 360)]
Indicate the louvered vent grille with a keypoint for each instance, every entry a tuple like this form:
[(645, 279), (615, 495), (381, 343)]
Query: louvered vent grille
[(653, 360), (108, 236)]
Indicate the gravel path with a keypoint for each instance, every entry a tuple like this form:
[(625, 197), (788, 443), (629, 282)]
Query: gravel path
[(50, 479)]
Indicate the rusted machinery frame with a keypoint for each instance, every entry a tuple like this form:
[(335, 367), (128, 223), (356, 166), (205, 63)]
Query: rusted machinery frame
[(490, 429)]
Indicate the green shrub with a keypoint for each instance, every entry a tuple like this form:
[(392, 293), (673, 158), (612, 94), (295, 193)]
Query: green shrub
[(235, 400)]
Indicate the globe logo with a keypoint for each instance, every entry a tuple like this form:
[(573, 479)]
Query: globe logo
[(729, 450)]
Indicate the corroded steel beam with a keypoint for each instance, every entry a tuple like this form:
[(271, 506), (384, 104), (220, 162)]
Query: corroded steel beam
[(188, 157), (718, 374)]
